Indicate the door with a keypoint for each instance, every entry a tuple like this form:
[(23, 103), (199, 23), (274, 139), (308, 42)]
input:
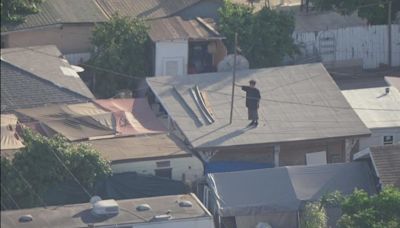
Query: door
[(173, 66)]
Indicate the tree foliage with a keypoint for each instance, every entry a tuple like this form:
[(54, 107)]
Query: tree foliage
[(375, 11), (265, 37), (45, 162), (314, 216), (121, 46), (14, 11), (360, 210)]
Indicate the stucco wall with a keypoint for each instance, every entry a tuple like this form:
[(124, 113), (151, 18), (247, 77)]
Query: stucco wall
[(191, 167), (376, 138), (74, 38), (171, 51)]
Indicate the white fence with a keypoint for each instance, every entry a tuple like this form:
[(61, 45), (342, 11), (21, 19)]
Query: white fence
[(367, 43)]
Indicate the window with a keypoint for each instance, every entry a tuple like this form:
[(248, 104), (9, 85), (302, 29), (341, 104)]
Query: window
[(387, 139), (166, 173), (163, 164)]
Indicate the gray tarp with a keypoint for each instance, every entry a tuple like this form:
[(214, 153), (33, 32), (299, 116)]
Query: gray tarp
[(283, 189)]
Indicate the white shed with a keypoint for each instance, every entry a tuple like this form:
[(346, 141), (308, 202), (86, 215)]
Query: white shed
[(185, 46)]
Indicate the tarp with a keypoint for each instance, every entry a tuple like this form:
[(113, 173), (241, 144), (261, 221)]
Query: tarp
[(74, 121), (9, 137), (230, 166), (285, 189), (132, 116)]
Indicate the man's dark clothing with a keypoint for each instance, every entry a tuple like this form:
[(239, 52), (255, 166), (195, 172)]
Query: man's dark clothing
[(252, 102), (252, 97)]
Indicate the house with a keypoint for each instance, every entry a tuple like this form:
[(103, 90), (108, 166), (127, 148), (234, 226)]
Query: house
[(125, 132), (68, 24), (185, 46), (304, 118), (178, 211), (38, 76), (385, 161), (10, 140), (379, 109), (276, 196), (157, 155)]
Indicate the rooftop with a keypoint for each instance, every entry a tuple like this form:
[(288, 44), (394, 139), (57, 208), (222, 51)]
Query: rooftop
[(140, 148), (299, 102), (386, 161), (375, 107), (175, 28), (291, 186), (79, 215), (144, 8), (45, 62), (63, 11)]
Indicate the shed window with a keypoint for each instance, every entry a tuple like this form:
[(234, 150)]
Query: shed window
[(163, 164), (317, 158)]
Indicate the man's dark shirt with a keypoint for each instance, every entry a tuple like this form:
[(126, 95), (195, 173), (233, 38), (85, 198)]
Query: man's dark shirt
[(252, 97)]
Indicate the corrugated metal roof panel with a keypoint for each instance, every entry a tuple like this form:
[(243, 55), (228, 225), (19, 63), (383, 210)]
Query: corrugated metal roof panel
[(174, 28), (144, 8), (63, 11)]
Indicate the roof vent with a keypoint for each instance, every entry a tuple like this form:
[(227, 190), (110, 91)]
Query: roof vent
[(185, 203), (105, 207), (143, 207), (163, 217), (25, 218)]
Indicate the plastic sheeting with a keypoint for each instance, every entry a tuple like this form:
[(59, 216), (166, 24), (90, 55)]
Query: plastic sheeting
[(285, 189), (132, 116)]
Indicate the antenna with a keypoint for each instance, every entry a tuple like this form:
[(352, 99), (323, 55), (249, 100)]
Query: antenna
[(234, 78)]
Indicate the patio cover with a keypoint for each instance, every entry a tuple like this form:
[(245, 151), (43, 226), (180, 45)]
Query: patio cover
[(283, 189), (75, 121), (132, 116)]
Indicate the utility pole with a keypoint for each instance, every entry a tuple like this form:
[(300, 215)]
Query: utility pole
[(390, 33), (234, 78)]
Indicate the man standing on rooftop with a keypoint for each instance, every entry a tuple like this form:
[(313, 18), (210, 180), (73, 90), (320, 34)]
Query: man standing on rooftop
[(252, 101)]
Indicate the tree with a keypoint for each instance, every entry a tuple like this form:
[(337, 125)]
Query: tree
[(265, 37), (45, 162), (375, 11), (360, 210), (14, 11), (314, 216), (121, 46)]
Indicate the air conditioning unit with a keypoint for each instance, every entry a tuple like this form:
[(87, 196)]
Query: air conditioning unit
[(105, 207)]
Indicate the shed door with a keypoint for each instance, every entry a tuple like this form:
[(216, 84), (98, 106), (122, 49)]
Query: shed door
[(173, 66), (317, 158)]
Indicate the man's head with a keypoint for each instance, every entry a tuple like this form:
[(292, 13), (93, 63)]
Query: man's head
[(252, 83)]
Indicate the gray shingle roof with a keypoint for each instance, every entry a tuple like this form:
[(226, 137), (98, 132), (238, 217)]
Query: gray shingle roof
[(173, 28), (299, 102), (386, 160), (144, 8), (63, 11), (20, 89), (45, 62)]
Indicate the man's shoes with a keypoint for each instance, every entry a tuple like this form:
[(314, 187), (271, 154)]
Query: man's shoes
[(255, 123), (251, 123)]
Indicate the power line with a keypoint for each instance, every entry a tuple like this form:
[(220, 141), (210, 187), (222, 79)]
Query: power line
[(10, 196)]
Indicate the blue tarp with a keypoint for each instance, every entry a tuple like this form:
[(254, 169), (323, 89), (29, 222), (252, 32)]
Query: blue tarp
[(230, 166)]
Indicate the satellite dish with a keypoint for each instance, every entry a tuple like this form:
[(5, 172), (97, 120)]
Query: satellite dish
[(95, 199), (77, 69), (263, 225), (226, 64)]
